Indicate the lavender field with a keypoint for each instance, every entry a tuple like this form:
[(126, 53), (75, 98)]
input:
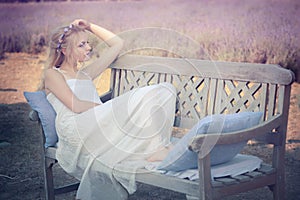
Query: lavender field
[(262, 31)]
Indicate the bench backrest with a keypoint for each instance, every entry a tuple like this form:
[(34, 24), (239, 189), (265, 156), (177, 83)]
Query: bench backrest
[(208, 87)]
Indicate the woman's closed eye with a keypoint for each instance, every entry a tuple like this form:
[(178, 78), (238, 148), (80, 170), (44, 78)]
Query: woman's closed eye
[(83, 44)]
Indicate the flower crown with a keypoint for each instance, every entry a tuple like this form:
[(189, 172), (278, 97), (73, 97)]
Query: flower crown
[(61, 38)]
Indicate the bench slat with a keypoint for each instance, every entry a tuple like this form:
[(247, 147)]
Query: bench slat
[(266, 169), (263, 73), (242, 178), (168, 182)]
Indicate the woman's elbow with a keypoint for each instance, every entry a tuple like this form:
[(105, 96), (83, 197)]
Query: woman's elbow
[(120, 44), (76, 109), (82, 106), (76, 106)]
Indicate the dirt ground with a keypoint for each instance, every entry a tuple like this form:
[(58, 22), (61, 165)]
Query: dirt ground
[(21, 176)]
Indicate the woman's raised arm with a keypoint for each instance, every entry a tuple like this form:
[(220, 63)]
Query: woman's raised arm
[(114, 42)]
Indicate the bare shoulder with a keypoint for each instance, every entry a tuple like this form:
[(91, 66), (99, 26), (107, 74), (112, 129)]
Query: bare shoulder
[(53, 74), (54, 79)]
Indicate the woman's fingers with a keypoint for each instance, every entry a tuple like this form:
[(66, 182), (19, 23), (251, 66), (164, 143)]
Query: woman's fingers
[(81, 23)]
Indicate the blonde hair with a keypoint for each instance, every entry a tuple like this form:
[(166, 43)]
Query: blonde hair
[(63, 37)]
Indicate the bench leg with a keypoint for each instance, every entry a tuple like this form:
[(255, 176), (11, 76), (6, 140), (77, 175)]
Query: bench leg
[(48, 175), (278, 163), (278, 189)]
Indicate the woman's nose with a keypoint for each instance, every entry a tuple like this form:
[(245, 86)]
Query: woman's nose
[(88, 47)]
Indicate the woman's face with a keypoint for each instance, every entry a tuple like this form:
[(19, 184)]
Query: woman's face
[(82, 49)]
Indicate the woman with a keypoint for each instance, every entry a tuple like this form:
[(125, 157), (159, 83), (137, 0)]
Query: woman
[(102, 144)]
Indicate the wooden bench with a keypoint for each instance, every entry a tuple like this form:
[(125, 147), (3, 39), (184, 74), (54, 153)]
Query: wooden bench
[(206, 88)]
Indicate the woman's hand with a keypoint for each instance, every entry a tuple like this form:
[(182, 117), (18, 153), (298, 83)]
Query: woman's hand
[(81, 23)]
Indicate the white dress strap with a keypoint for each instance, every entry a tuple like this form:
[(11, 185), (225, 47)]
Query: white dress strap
[(61, 71), (58, 69), (66, 76), (86, 74)]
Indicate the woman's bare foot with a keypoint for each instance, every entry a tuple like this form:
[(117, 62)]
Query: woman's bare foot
[(160, 155)]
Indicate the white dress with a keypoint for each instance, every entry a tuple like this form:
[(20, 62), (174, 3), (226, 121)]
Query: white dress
[(105, 145)]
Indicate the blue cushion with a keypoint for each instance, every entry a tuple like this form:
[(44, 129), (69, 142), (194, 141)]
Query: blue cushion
[(181, 158), (38, 102)]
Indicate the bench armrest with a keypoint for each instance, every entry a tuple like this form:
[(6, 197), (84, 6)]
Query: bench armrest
[(261, 131), (33, 115)]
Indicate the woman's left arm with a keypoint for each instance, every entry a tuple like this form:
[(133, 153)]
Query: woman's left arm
[(114, 42)]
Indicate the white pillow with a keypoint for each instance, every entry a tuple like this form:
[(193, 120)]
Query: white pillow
[(181, 158)]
